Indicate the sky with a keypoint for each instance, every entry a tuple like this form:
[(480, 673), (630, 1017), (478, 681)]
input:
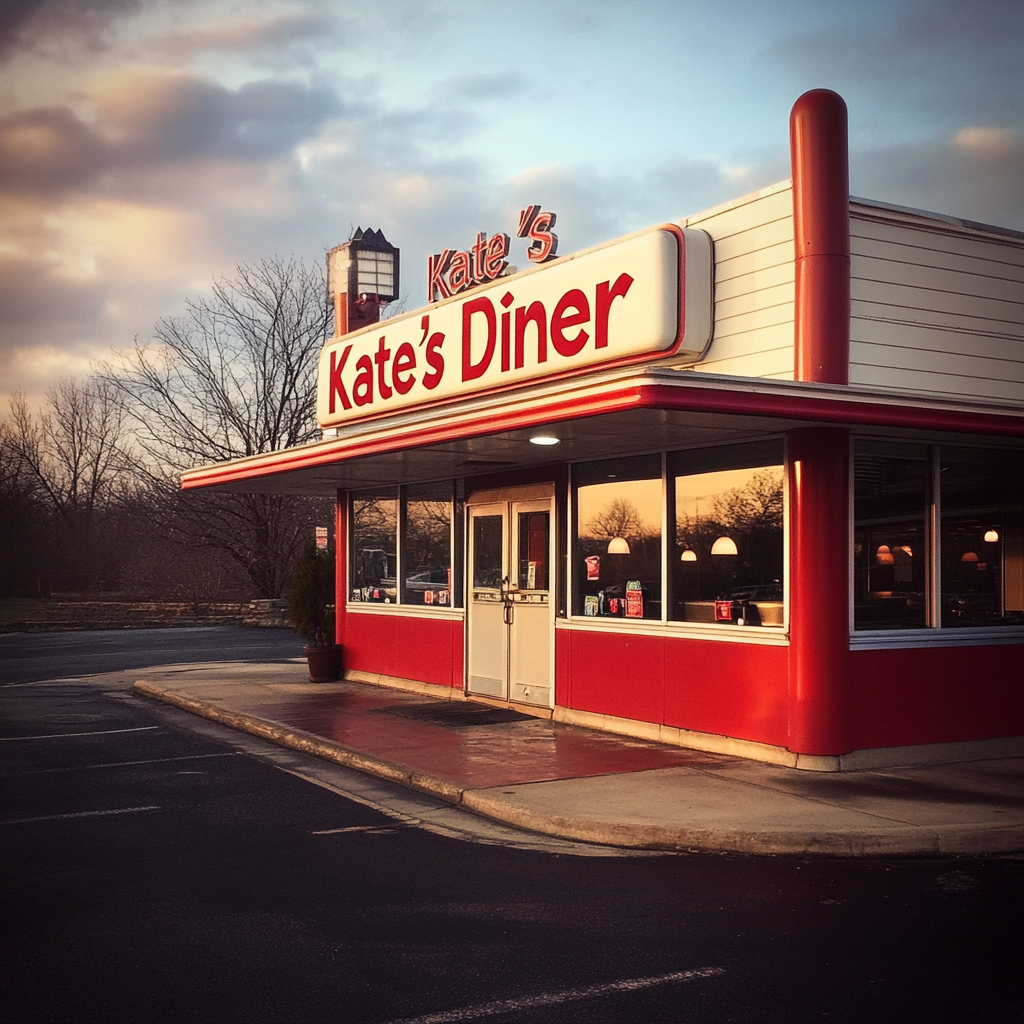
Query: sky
[(148, 147)]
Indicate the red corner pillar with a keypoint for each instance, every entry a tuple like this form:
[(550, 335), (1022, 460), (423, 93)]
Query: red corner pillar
[(340, 565), (819, 618), (821, 232)]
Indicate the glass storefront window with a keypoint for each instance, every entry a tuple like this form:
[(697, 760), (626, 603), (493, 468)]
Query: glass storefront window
[(425, 568), (727, 563), (427, 545), (981, 537), (373, 558), (617, 554), (891, 485), (534, 529)]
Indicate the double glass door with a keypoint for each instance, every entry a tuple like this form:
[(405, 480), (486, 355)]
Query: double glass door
[(510, 618)]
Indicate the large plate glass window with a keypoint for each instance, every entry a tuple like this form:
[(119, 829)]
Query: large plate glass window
[(938, 538), (891, 496), (373, 565), (426, 549), (727, 561), (403, 545), (617, 554), (982, 537)]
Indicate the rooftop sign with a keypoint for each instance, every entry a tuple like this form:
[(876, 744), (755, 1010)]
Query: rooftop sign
[(642, 298)]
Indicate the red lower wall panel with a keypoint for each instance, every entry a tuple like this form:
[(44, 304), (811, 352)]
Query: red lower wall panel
[(738, 690), (936, 695), (411, 647)]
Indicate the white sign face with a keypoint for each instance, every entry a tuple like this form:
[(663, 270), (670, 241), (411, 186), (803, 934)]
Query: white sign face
[(643, 298)]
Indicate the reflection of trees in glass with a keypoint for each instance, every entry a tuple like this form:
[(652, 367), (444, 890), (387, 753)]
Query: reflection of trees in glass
[(755, 507), (752, 515), (427, 540), (374, 533), (619, 518)]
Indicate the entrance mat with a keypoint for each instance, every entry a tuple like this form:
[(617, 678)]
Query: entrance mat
[(457, 714)]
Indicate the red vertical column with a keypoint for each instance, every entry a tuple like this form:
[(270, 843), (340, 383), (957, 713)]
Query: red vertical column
[(340, 565), (821, 227), (819, 619)]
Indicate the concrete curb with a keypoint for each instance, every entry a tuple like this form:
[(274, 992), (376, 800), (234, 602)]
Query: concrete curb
[(906, 841)]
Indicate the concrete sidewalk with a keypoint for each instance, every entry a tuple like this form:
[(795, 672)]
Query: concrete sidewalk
[(575, 783)]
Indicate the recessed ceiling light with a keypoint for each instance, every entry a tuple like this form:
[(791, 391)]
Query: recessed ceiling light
[(544, 439)]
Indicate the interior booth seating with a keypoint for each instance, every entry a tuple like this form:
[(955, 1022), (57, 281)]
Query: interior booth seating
[(750, 481)]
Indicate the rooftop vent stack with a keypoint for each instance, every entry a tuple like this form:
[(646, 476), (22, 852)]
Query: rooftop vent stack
[(821, 226)]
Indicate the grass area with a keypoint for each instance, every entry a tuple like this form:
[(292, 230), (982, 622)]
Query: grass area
[(116, 611)]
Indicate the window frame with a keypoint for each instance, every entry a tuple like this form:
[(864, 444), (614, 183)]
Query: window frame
[(933, 633), (456, 529), (666, 625)]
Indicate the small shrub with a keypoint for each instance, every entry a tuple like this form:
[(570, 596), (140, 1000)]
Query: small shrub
[(311, 598)]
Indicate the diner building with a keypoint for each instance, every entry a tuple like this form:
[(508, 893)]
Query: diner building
[(750, 481)]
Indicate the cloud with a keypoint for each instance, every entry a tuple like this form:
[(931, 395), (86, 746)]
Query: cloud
[(952, 60), (484, 87), (156, 116), (246, 34), (975, 174), (47, 150), (30, 24)]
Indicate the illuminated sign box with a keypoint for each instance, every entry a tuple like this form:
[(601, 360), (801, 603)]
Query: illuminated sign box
[(643, 298)]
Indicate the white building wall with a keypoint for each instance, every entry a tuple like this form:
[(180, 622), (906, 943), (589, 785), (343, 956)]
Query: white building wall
[(753, 254), (937, 305)]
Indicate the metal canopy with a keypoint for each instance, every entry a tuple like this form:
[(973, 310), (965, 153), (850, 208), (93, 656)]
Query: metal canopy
[(597, 417)]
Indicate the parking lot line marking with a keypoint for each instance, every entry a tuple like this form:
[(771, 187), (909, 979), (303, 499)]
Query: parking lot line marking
[(354, 828), (565, 996), (126, 764), (64, 735), (79, 814)]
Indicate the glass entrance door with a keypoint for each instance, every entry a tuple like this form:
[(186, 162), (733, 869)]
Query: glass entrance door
[(510, 621)]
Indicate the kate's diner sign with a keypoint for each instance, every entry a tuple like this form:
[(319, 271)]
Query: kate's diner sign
[(642, 298)]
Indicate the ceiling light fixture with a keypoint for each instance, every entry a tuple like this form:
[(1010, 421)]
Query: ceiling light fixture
[(545, 440)]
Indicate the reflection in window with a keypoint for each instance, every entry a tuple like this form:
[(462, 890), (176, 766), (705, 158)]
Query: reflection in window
[(727, 564), (982, 537), (890, 538), (427, 545), (534, 529), (617, 559), (374, 542), (488, 538)]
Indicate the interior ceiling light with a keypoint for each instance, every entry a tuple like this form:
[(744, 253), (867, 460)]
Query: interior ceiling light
[(724, 546), (618, 546), (968, 556), (688, 556), (544, 440), (991, 536)]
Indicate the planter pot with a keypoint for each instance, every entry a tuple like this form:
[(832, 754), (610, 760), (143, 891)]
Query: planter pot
[(324, 663)]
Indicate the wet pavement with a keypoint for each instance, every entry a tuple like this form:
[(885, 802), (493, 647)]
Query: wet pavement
[(576, 783)]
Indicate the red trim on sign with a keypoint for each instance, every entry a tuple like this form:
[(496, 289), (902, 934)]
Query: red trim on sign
[(611, 364), (630, 395)]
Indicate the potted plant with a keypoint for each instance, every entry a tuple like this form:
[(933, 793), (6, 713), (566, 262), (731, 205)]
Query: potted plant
[(311, 612)]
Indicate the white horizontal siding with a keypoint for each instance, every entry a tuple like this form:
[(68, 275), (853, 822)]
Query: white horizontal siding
[(935, 308), (753, 320)]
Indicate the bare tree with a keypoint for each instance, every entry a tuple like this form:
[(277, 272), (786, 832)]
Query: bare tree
[(619, 518), (66, 464), (234, 377)]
